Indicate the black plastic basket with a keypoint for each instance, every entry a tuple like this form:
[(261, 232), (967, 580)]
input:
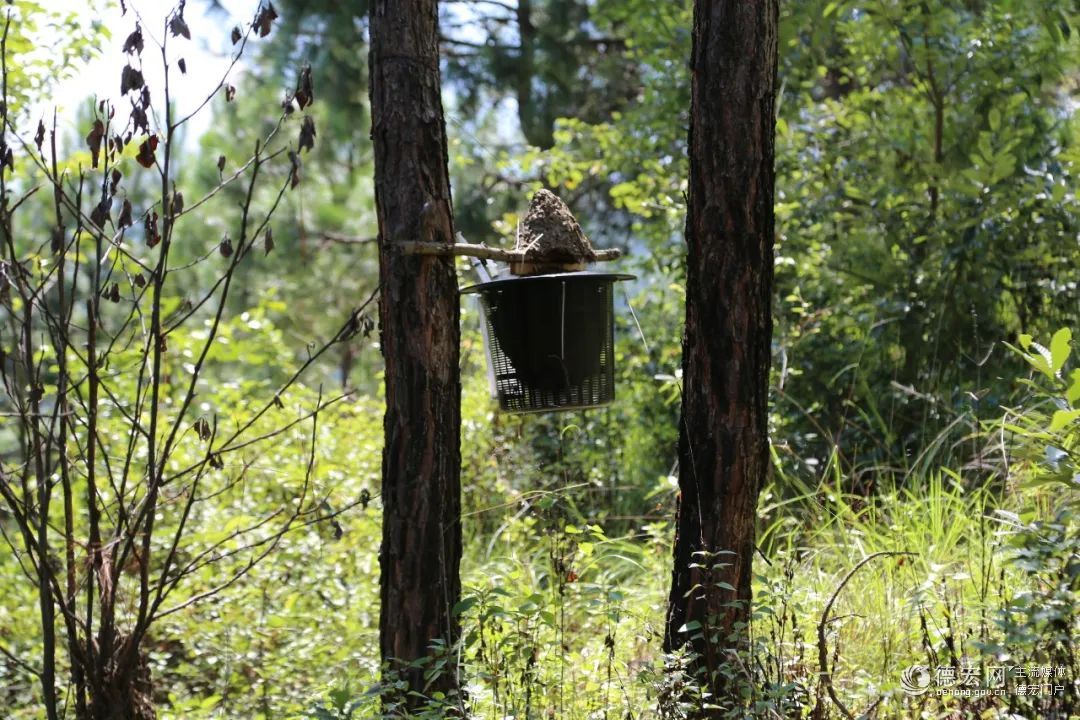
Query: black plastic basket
[(550, 340)]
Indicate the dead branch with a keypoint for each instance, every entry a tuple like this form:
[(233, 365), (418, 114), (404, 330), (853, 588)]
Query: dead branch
[(329, 236), (823, 648), (462, 248)]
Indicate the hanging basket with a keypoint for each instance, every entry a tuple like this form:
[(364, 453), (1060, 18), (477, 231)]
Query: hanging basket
[(550, 340)]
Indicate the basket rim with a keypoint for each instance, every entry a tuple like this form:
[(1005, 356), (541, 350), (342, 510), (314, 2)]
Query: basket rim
[(502, 281)]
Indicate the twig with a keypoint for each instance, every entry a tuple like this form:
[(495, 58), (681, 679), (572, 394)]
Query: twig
[(273, 540), (823, 650), (19, 663), (341, 335), (329, 236)]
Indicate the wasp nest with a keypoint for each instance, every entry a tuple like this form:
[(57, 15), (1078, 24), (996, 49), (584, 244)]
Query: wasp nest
[(551, 238)]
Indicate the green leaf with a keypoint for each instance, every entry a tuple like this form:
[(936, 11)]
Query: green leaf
[(465, 604), (1063, 418), (210, 702), (995, 119), (340, 696), (1004, 165), (690, 626), (986, 149), (1060, 348), (1073, 393), (1041, 360)]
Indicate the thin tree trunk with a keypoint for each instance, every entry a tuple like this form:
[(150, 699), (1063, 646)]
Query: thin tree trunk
[(532, 114), (723, 440), (418, 311)]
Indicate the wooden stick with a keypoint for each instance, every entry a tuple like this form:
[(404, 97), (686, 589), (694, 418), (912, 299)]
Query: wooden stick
[(412, 247)]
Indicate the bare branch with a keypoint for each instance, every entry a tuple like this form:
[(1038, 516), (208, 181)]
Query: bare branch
[(328, 236), (823, 649), (412, 247), (19, 663)]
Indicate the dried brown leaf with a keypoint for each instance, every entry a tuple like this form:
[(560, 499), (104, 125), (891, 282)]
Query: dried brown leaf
[(294, 169), (130, 79), (134, 42), (139, 120), (93, 140), (150, 228), (125, 215), (307, 134), (264, 19), (305, 92), (100, 214), (147, 148), (179, 27)]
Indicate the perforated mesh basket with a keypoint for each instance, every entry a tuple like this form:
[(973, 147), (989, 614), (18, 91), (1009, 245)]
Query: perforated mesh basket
[(550, 340)]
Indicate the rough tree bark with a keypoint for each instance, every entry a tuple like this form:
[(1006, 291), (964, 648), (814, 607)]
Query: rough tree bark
[(418, 312), (723, 443)]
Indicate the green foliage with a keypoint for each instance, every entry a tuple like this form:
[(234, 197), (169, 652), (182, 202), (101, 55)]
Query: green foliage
[(925, 206), (316, 280), (256, 647), (1048, 433), (1038, 624), (50, 43), (926, 160), (904, 254), (560, 614)]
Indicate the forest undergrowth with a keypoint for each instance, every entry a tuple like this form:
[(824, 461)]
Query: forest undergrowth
[(918, 549), (966, 570)]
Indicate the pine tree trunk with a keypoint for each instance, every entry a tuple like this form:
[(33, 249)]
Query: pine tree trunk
[(723, 441), (418, 312)]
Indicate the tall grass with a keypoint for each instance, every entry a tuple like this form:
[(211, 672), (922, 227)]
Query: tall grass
[(565, 622)]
